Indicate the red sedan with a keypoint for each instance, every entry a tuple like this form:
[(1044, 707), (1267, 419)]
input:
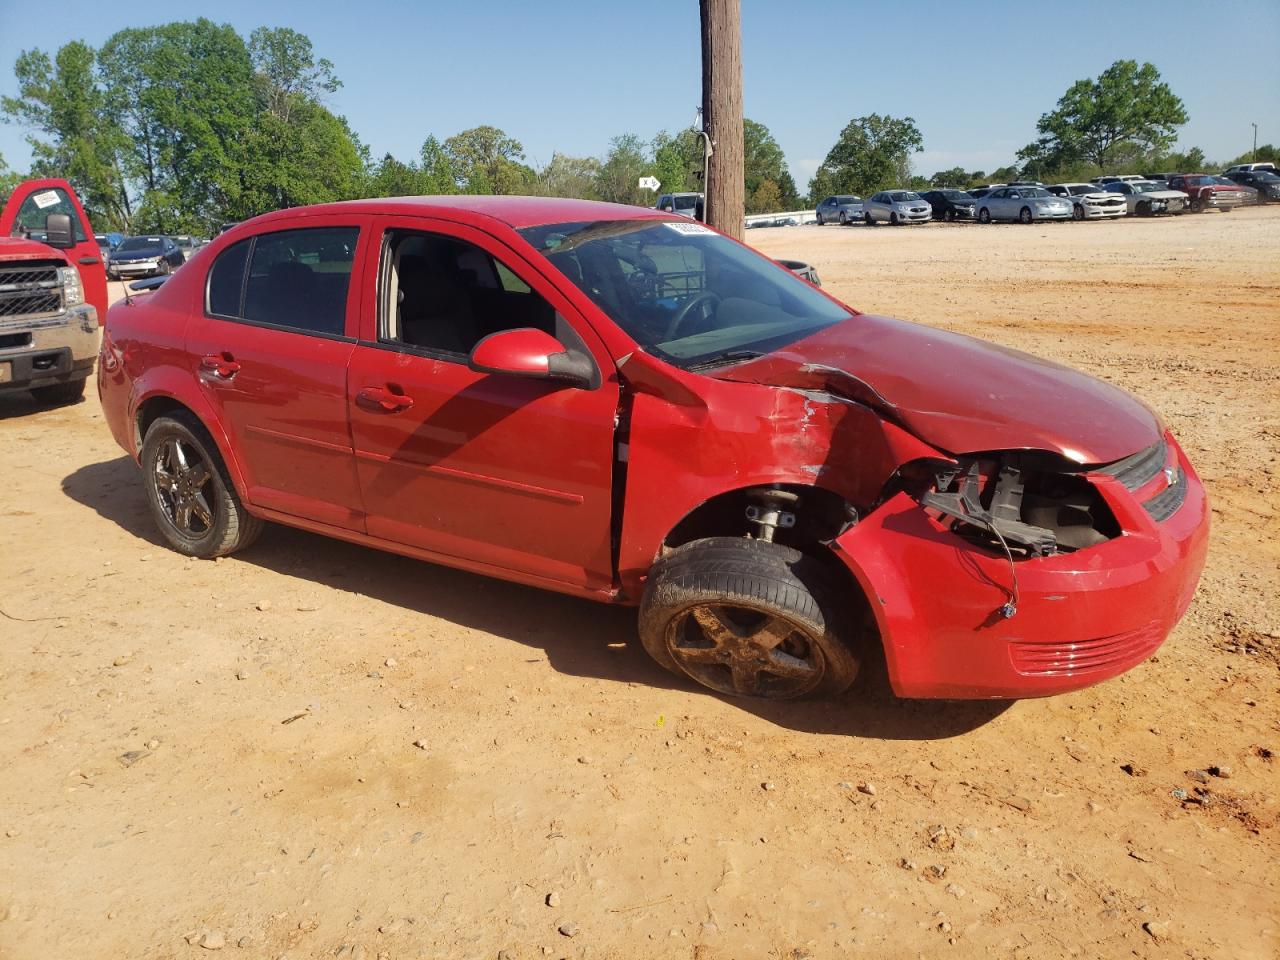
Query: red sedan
[(625, 405)]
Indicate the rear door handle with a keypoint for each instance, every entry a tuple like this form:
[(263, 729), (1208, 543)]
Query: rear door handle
[(221, 365), (384, 399)]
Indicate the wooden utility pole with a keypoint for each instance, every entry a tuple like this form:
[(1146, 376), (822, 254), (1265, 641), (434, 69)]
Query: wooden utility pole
[(722, 113)]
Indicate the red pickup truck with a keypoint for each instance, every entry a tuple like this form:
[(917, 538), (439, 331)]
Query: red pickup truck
[(1208, 192), (53, 292)]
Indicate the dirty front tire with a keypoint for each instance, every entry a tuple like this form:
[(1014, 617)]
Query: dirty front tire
[(192, 499), (57, 394), (748, 618)]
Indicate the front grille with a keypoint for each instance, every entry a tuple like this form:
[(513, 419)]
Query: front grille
[(30, 290), (1166, 503), (1073, 658), (1139, 469)]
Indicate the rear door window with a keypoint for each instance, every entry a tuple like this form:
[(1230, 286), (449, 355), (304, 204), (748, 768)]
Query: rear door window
[(299, 279)]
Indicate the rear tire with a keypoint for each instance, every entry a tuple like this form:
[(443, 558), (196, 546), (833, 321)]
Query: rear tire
[(747, 618), (58, 394), (868, 220), (195, 506)]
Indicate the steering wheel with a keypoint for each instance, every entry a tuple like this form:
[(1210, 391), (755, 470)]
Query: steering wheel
[(678, 320)]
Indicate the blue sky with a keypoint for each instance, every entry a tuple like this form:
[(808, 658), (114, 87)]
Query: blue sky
[(561, 75)]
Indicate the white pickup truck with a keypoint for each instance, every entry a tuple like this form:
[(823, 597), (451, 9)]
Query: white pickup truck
[(53, 292)]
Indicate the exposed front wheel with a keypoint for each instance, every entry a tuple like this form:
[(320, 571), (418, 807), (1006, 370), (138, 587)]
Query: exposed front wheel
[(1077, 212), (1197, 205), (844, 221), (821, 222), (1144, 210), (893, 220), (747, 618), (984, 215), (192, 499), (868, 220), (57, 394)]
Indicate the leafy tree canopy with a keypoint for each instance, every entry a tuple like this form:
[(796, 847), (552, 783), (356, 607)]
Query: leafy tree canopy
[(871, 154)]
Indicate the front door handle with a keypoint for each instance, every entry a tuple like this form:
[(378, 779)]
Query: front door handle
[(221, 365), (87, 261), (384, 399)]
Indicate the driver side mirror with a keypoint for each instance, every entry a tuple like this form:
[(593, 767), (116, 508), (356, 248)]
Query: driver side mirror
[(58, 232), (526, 352)]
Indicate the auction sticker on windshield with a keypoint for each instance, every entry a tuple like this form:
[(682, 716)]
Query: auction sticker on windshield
[(689, 228), (47, 198)]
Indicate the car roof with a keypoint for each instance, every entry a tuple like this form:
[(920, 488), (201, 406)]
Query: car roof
[(516, 212)]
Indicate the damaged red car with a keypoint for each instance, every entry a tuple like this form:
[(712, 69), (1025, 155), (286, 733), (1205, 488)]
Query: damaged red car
[(627, 406)]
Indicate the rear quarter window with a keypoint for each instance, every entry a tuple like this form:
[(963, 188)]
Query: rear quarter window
[(226, 281)]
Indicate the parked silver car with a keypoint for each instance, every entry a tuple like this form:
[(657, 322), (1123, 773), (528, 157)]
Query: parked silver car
[(841, 209), (1089, 201), (1146, 198), (898, 207), (1024, 204)]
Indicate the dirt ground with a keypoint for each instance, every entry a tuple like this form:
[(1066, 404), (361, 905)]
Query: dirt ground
[(318, 750)]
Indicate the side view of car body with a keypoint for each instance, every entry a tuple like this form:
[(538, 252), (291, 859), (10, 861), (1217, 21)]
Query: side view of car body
[(627, 406), (1146, 198), (951, 205), (1208, 192), (896, 207), (1245, 167), (842, 209), (144, 257), (1089, 201), (1023, 204)]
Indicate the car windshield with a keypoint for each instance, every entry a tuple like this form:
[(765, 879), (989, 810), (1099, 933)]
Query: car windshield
[(1034, 192), (903, 196), (140, 245), (955, 195), (1080, 189), (1146, 186), (685, 203), (682, 291)]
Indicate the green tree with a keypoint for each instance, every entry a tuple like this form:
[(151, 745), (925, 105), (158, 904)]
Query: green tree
[(956, 177), (61, 102), (872, 153), (765, 198), (8, 180), (620, 171), (677, 161), (486, 160), (567, 176), (1264, 153), (287, 70), (764, 161), (439, 175), (1127, 108)]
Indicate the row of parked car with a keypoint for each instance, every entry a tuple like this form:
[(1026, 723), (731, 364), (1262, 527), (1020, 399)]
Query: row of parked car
[(131, 258), (1029, 201)]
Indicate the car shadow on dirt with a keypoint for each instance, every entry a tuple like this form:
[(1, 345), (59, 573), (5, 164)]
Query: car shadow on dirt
[(579, 637)]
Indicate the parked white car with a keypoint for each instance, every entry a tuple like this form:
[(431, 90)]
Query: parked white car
[(897, 207), (1119, 178), (1024, 204), (1089, 201), (1145, 198)]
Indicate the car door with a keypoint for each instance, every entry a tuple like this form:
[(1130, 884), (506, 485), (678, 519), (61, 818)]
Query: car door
[(31, 202), (270, 350), (511, 473)]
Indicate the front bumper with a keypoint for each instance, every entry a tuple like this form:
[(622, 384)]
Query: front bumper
[(914, 216), (1092, 212), (144, 268), (50, 350), (1224, 201), (1082, 617), (1052, 214)]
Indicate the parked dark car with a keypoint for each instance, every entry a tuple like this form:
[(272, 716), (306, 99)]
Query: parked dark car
[(144, 257), (624, 405), (951, 204), (1265, 182)]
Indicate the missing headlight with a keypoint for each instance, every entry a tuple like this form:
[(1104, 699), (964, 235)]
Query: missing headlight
[(1025, 504)]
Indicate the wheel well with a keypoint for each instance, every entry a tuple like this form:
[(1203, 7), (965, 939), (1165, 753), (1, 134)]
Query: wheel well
[(821, 516), (152, 410)]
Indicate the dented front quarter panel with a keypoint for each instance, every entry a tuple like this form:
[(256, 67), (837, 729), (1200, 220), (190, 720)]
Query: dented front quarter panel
[(693, 437)]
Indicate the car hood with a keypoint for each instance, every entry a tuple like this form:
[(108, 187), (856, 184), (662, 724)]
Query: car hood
[(132, 255), (18, 248), (959, 393)]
